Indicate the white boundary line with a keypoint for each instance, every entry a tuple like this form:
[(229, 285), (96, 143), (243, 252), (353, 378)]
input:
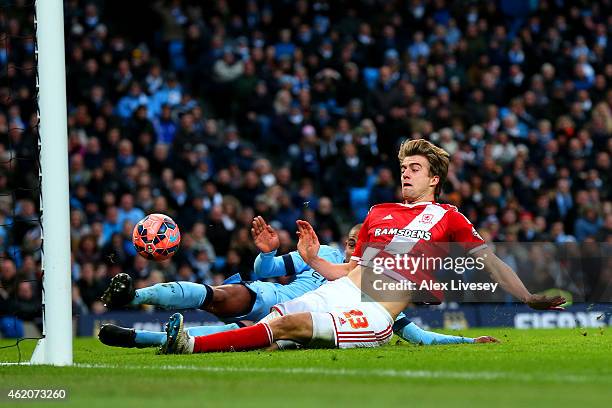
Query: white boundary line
[(345, 372)]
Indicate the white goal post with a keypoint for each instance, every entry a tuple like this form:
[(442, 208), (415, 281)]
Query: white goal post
[(55, 347)]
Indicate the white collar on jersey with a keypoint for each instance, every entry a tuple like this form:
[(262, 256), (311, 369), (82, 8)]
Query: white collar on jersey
[(415, 204)]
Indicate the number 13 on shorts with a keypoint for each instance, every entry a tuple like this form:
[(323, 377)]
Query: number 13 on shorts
[(356, 319)]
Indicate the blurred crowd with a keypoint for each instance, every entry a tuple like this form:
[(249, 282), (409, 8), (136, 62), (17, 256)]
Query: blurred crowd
[(213, 112)]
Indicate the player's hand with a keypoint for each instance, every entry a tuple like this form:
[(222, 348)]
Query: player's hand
[(264, 236), (486, 339), (543, 302), (308, 243)]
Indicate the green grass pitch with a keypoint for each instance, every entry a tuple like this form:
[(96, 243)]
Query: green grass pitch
[(553, 367)]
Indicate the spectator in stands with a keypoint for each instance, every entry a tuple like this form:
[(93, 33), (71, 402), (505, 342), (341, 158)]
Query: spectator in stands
[(384, 189)]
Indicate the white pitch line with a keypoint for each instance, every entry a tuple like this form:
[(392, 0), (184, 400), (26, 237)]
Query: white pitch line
[(388, 373)]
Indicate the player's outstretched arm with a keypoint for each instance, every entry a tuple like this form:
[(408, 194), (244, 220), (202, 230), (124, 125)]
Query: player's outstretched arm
[(267, 265), (511, 283), (308, 247), (412, 333)]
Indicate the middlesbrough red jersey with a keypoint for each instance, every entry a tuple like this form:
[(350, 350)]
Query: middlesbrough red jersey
[(395, 228)]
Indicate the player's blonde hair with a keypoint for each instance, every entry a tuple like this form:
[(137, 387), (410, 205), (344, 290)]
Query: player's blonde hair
[(437, 157)]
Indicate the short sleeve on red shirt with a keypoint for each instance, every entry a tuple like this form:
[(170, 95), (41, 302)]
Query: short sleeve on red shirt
[(462, 231)]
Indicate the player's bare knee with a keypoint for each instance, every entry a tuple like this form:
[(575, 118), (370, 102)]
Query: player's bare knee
[(292, 327), (282, 326)]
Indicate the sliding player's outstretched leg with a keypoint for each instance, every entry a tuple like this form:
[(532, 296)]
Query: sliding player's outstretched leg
[(127, 337), (172, 295), (297, 327), (234, 300), (363, 325)]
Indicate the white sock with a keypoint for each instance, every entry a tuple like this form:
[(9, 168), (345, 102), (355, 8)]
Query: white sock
[(190, 344)]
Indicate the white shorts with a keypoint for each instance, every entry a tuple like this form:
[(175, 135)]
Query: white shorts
[(340, 318)]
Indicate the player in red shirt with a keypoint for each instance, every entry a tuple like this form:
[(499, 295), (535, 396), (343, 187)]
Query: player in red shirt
[(339, 314)]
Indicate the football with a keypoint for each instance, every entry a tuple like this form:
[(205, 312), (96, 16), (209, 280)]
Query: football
[(156, 237)]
